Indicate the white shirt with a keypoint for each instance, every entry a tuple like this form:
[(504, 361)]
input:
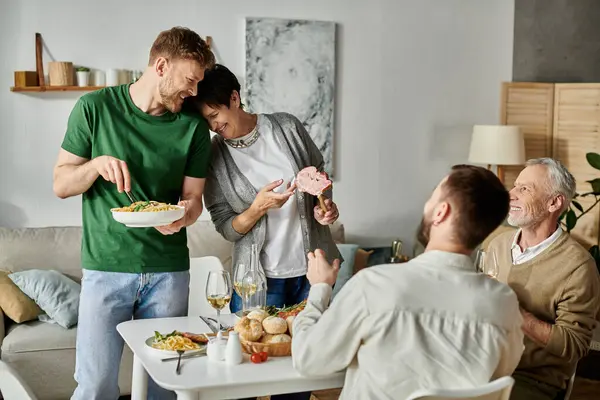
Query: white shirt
[(520, 256), (263, 162), (397, 328)]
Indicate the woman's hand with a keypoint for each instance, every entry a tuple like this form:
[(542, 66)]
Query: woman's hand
[(267, 199), (327, 217)]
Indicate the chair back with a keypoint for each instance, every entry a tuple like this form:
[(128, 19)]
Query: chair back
[(199, 269), (12, 386), (498, 389)]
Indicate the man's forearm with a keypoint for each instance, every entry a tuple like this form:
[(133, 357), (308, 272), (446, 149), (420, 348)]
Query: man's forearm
[(72, 180), (245, 221), (194, 210), (536, 329)]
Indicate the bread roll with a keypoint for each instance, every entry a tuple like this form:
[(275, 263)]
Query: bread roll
[(290, 323), (250, 330), (272, 339), (266, 338), (258, 315), (274, 325)]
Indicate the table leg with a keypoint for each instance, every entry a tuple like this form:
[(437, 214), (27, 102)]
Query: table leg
[(187, 395), (139, 381)]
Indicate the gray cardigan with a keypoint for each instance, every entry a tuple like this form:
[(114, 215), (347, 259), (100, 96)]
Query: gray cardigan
[(229, 193)]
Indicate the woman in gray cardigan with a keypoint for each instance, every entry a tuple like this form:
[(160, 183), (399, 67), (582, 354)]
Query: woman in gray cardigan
[(250, 192)]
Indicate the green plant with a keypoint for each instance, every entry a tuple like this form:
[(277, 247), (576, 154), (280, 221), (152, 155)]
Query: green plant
[(575, 211), (82, 69)]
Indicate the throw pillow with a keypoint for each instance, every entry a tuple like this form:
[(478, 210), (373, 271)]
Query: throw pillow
[(54, 292), (348, 252), (361, 259), (14, 303)]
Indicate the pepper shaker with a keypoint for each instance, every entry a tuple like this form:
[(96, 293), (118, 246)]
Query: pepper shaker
[(233, 350)]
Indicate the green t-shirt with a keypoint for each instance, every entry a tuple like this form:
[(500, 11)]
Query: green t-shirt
[(159, 152)]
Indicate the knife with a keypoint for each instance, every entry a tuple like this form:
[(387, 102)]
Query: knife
[(199, 354), (209, 324)]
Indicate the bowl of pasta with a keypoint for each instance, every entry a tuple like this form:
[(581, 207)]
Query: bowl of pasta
[(143, 214), (169, 343)]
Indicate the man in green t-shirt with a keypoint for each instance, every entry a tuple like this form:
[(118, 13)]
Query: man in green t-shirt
[(136, 140)]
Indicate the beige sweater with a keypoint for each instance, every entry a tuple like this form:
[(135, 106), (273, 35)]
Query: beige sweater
[(432, 322), (560, 286)]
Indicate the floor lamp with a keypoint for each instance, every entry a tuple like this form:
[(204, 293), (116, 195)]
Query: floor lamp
[(498, 145)]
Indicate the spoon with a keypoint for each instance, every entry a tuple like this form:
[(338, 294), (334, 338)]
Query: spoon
[(180, 352)]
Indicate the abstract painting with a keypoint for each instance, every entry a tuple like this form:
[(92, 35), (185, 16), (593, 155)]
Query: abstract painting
[(290, 67)]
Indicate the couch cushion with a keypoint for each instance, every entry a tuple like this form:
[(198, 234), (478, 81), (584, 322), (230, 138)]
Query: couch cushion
[(56, 248), (204, 240), (15, 304), (38, 336), (54, 292)]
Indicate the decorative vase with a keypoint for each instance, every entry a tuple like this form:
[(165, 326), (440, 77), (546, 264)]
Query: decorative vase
[(83, 78)]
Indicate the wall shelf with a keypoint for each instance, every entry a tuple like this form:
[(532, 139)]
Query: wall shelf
[(55, 88)]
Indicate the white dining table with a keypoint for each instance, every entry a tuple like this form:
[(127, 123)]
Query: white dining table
[(203, 379)]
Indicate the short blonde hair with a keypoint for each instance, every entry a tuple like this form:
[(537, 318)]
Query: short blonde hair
[(181, 43)]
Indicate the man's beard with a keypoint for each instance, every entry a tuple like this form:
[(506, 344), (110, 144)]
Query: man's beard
[(424, 231), (171, 101)]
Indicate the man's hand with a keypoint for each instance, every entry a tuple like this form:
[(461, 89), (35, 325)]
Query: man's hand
[(537, 330), (113, 170), (319, 270), (176, 226), (327, 217)]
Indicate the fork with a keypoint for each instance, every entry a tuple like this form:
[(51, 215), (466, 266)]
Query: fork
[(131, 197), (223, 326)]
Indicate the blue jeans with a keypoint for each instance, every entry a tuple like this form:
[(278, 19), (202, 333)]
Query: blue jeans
[(106, 300), (281, 292)]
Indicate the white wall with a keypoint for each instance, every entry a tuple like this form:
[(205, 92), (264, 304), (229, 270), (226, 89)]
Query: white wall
[(413, 77)]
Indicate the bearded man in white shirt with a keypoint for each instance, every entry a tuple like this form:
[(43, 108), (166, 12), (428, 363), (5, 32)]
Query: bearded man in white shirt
[(433, 322)]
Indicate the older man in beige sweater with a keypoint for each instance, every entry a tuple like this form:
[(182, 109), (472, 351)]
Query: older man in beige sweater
[(554, 277), (433, 322)]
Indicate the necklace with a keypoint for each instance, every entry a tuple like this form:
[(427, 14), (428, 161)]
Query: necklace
[(245, 141)]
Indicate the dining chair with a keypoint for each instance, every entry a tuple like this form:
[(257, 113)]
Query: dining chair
[(498, 389), (199, 269), (12, 386)]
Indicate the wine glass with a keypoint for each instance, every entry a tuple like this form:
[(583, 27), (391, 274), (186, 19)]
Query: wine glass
[(491, 264), (245, 283), (486, 262), (218, 291)]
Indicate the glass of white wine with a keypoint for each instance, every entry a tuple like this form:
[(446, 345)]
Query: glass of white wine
[(218, 291), (245, 282), (487, 263)]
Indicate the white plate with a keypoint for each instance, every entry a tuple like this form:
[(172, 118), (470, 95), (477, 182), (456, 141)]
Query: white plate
[(150, 340), (148, 219)]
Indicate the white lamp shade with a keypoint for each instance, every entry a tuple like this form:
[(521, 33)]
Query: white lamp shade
[(497, 145)]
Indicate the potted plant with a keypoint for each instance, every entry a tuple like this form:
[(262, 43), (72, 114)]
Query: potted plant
[(575, 211), (83, 76)]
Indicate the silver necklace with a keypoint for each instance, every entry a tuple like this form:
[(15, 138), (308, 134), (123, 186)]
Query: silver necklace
[(245, 141)]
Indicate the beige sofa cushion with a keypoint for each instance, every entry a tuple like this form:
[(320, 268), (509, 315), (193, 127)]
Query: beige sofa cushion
[(41, 248), (15, 304), (38, 336), (59, 248)]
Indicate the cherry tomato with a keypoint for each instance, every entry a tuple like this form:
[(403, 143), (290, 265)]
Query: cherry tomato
[(264, 355), (256, 358)]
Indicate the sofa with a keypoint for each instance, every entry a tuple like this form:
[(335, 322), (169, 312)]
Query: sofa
[(43, 354)]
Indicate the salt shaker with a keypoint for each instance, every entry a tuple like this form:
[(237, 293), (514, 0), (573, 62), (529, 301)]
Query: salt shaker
[(216, 348), (233, 350)]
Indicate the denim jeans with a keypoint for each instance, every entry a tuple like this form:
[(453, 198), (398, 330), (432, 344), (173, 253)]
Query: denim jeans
[(281, 292), (107, 299)]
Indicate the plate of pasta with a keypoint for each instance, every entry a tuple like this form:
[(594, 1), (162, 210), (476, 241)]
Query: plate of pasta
[(168, 344), (144, 214)]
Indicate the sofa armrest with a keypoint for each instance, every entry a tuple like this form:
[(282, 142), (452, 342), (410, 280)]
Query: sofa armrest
[(2, 331)]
